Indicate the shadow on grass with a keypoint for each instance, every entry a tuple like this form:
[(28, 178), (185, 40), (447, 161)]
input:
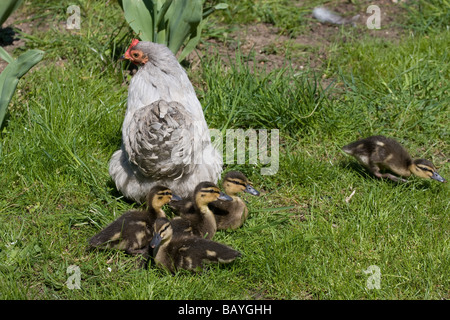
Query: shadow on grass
[(355, 167), (7, 36), (116, 193)]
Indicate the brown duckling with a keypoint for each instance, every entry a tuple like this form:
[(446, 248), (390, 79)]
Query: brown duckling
[(200, 216), (228, 214), (379, 153), (133, 230), (232, 214), (175, 251)]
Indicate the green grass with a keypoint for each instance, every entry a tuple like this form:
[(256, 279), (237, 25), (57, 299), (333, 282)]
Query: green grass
[(288, 16), (428, 16), (291, 101), (302, 239)]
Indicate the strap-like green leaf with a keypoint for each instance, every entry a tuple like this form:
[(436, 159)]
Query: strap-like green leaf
[(183, 18), (7, 7), (192, 43), (140, 14), (5, 55), (171, 22), (219, 6), (10, 76)]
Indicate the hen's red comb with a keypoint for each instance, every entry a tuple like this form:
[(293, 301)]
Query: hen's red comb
[(127, 53)]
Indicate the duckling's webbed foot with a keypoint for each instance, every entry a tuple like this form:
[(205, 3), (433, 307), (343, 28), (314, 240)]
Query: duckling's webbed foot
[(380, 175), (393, 178)]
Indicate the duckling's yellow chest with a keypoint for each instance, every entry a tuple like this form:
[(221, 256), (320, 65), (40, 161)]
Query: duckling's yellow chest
[(162, 257), (208, 216), (401, 171), (237, 213)]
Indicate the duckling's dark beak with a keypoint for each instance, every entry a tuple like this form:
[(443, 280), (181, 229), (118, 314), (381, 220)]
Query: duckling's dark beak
[(224, 197), (175, 198), (156, 240), (437, 177), (251, 190)]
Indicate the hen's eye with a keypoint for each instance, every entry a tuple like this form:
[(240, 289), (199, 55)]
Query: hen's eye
[(135, 54)]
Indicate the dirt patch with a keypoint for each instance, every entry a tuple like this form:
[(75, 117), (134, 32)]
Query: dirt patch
[(270, 48), (9, 38), (10, 34), (264, 46)]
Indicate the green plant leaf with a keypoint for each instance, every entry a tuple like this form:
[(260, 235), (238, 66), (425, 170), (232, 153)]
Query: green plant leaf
[(7, 7), (173, 23), (141, 14), (192, 43), (10, 76), (183, 19), (219, 6), (5, 55)]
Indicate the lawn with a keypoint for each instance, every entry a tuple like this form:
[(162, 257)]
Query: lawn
[(321, 86)]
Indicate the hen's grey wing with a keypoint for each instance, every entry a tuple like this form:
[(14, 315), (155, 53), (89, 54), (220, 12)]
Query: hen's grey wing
[(156, 140)]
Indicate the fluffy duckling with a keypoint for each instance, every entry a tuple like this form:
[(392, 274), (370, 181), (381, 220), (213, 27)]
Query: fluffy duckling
[(228, 214), (378, 153), (174, 251), (232, 214), (133, 230), (200, 216)]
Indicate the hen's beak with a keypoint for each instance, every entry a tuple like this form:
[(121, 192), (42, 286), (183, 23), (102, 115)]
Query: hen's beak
[(126, 56), (127, 53)]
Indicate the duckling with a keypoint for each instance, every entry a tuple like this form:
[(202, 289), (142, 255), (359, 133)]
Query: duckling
[(378, 153), (200, 216), (232, 215), (228, 214), (133, 230), (175, 251)]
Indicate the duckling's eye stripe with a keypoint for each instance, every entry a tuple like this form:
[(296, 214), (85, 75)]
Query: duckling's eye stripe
[(164, 193), (210, 191), (165, 228), (425, 169), (236, 182)]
